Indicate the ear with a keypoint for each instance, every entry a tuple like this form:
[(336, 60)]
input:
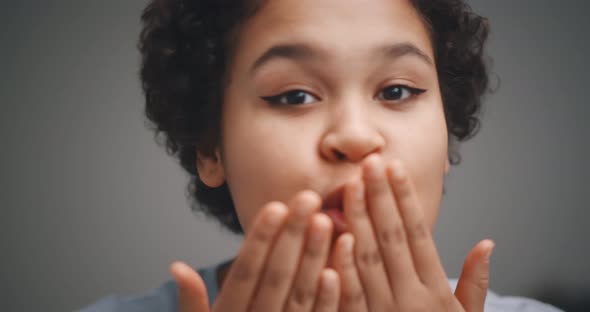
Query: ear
[(210, 169), (447, 167)]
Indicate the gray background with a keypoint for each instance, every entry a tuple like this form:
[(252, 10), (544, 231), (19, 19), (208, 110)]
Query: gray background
[(90, 205)]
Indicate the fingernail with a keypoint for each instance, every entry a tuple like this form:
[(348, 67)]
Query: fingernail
[(304, 206), (375, 169), (398, 169), (275, 217), (317, 234), (360, 191), (302, 210), (330, 279), (490, 249), (347, 243), (316, 238)]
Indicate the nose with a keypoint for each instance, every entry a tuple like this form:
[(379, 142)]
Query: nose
[(352, 137)]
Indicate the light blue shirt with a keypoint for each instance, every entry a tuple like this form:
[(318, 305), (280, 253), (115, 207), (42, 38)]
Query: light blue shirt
[(163, 299)]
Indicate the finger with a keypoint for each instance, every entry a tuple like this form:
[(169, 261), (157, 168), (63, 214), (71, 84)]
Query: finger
[(192, 293), (327, 300), (240, 284), (423, 249), (366, 251), (352, 297), (472, 287), (280, 269), (305, 287), (389, 227)]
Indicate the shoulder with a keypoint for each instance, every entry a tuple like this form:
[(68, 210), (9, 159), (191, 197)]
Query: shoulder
[(497, 303), (161, 299)]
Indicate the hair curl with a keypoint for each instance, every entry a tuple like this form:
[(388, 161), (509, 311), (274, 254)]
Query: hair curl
[(185, 47)]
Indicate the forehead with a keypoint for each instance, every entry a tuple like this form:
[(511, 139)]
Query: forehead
[(341, 27)]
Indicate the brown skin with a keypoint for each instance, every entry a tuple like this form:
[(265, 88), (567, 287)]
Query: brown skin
[(289, 149), (346, 126)]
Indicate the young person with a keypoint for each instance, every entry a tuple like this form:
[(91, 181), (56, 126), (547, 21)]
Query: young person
[(322, 129)]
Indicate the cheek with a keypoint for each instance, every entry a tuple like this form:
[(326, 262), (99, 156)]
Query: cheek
[(245, 173), (425, 153), (264, 162)]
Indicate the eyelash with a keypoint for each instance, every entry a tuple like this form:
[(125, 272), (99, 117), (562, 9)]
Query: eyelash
[(279, 98)]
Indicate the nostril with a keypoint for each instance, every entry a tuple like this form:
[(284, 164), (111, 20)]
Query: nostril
[(339, 155)]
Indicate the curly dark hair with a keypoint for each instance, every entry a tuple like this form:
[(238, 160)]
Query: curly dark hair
[(185, 46)]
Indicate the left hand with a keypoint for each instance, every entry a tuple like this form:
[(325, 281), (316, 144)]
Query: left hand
[(394, 265)]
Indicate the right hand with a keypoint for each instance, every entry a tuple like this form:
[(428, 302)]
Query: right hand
[(281, 265)]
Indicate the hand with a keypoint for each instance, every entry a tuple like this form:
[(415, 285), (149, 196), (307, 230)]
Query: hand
[(280, 265), (394, 266)]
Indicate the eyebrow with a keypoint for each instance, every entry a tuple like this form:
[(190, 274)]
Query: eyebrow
[(405, 48), (302, 52)]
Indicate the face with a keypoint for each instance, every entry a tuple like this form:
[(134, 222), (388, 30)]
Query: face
[(316, 86)]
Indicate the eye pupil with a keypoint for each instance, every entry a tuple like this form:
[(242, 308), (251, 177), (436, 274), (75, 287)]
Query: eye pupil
[(392, 93), (295, 97), (290, 98)]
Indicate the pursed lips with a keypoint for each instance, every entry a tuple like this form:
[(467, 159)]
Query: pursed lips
[(333, 207)]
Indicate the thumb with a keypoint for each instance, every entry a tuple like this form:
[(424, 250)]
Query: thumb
[(472, 287), (192, 293)]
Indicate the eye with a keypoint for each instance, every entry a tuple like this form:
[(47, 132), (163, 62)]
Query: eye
[(398, 93), (293, 97)]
